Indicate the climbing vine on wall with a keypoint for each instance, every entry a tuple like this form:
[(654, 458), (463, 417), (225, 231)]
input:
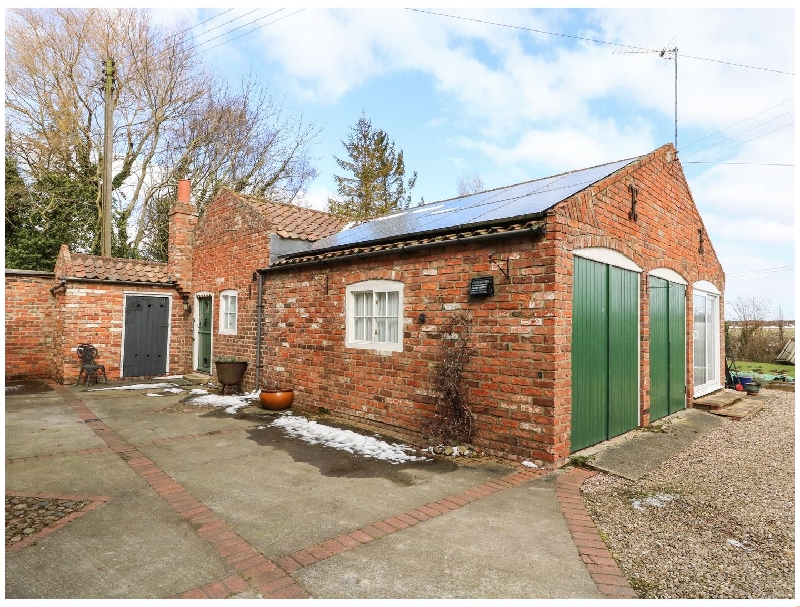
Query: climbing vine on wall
[(453, 419)]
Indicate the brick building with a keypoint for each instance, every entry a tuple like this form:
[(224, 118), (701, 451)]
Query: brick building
[(593, 301)]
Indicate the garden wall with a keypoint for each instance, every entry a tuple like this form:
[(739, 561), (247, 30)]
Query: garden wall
[(30, 313)]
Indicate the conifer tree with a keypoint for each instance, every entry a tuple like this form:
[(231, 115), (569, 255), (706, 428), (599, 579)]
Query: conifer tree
[(376, 185)]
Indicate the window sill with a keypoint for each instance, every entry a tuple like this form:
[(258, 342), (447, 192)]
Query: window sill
[(382, 349)]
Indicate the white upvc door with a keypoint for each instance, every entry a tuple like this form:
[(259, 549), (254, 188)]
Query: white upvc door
[(705, 331)]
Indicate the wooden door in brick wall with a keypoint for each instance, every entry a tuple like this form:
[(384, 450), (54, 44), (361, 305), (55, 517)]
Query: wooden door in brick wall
[(605, 352), (204, 328), (667, 347), (146, 330)]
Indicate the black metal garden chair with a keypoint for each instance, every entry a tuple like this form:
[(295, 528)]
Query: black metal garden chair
[(87, 354)]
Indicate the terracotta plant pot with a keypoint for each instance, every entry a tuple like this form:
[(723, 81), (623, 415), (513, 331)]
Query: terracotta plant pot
[(276, 400)]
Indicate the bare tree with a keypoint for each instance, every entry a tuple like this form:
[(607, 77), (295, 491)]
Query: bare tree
[(751, 314), (173, 118), (469, 183)]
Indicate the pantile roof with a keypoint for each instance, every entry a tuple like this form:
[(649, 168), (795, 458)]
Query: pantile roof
[(292, 221), (111, 268)]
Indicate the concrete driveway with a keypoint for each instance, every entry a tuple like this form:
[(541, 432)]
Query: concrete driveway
[(202, 504)]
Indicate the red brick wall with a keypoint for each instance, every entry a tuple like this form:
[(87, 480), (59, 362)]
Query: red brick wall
[(232, 241), (510, 376), (93, 313), (519, 378), (29, 325)]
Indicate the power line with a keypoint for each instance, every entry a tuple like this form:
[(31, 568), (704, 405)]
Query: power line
[(688, 145), (752, 128), (198, 44), (757, 164), (198, 25), (254, 29), (238, 27), (170, 47), (651, 50), (748, 141), (763, 271)]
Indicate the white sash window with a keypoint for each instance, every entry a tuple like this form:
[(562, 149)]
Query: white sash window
[(374, 315)]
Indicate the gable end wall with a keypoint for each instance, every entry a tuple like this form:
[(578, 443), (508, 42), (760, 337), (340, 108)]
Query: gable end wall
[(664, 235)]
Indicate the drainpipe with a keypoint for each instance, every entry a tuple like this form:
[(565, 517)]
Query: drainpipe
[(259, 315)]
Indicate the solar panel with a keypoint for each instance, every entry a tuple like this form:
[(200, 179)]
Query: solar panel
[(506, 203)]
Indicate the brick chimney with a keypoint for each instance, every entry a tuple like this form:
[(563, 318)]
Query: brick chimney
[(182, 223)]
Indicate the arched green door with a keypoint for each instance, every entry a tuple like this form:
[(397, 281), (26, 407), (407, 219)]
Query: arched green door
[(204, 333), (605, 352), (667, 347)]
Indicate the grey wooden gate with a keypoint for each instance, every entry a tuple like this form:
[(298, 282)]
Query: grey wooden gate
[(146, 336)]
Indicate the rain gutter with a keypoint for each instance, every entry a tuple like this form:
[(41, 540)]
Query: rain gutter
[(138, 283), (410, 247)]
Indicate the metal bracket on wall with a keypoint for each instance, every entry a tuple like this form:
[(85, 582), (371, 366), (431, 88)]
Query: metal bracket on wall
[(505, 272), (320, 283), (634, 192)]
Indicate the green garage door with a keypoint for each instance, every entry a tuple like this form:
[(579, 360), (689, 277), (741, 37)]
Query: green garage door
[(605, 352), (667, 347)]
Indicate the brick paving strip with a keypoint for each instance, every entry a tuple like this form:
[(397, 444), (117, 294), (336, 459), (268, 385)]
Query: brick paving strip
[(593, 551), (270, 578), (253, 569), (94, 502)]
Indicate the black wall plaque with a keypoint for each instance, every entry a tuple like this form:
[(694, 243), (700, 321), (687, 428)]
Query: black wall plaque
[(482, 286)]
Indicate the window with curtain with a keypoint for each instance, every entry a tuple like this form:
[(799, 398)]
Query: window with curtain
[(374, 315), (228, 312)]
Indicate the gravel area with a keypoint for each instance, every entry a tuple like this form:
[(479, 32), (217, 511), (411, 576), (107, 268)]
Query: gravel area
[(28, 515), (716, 520)]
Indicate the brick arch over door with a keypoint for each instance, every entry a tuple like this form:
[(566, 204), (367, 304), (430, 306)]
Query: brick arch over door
[(605, 346)]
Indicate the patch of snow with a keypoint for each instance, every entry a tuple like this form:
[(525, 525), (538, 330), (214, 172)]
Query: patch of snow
[(657, 501), (231, 403), (135, 387), (172, 377), (344, 440), (738, 544), (528, 464), (173, 390), (198, 391), (152, 394), (12, 388)]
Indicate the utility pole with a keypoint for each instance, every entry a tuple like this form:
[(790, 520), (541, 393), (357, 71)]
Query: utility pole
[(663, 53), (674, 52), (108, 152)]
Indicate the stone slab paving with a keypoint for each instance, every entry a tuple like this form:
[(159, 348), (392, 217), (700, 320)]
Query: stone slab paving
[(176, 487)]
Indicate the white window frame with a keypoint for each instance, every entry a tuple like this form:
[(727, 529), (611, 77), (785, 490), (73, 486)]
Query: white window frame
[(224, 297), (711, 294), (373, 286)]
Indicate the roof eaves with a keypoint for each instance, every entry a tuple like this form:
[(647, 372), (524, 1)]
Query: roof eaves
[(404, 244)]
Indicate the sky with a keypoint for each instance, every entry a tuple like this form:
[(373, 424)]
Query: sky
[(518, 94)]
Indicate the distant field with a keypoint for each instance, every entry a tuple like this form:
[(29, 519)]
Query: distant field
[(772, 368)]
